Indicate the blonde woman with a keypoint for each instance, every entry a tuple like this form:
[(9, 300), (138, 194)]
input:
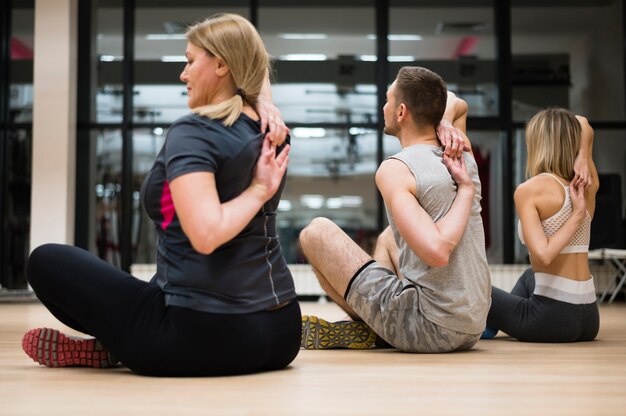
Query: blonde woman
[(555, 300), (222, 300)]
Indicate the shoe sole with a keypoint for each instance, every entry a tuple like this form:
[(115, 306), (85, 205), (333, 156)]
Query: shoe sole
[(52, 348), (319, 334)]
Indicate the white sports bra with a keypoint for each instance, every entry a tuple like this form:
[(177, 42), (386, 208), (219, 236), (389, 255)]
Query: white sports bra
[(580, 240)]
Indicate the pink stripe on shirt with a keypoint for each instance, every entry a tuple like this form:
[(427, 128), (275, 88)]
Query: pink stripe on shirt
[(167, 206)]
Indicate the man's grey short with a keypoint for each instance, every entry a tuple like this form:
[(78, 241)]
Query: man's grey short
[(390, 306)]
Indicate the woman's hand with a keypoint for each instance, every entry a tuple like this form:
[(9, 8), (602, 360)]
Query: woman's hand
[(271, 120), (582, 176), (270, 169), (452, 139), (579, 204), (458, 170)]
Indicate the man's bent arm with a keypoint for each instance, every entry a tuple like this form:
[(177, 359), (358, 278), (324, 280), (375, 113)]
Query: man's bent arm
[(430, 241), (454, 117)]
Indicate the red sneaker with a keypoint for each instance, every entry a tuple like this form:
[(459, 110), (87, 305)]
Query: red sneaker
[(52, 348)]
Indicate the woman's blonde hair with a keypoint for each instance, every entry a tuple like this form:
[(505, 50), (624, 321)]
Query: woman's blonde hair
[(235, 41), (552, 140)]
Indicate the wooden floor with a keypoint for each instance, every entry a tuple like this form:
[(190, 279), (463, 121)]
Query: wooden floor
[(499, 376)]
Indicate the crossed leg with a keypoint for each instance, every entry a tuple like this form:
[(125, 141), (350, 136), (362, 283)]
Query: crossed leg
[(335, 258), (386, 252)]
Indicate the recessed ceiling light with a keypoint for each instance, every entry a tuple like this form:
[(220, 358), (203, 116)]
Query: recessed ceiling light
[(303, 36), (400, 37), (308, 132), (173, 58), (165, 36), (312, 201), (401, 58), (303, 57), (284, 205)]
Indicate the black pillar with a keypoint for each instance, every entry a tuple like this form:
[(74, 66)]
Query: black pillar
[(505, 92), (382, 78), (5, 85), (127, 137)]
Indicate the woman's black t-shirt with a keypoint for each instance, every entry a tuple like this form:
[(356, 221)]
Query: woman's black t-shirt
[(246, 274)]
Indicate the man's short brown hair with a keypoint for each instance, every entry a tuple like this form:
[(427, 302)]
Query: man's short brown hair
[(423, 92)]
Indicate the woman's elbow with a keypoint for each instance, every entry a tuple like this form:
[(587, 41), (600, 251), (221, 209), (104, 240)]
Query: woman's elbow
[(541, 259), (203, 247), (202, 243)]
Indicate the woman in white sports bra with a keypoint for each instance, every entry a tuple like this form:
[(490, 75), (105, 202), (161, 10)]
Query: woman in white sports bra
[(554, 300)]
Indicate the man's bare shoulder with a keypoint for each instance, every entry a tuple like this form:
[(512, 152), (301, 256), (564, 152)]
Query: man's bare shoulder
[(393, 175), (392, 169)]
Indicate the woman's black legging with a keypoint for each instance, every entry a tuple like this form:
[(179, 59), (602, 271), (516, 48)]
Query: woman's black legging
[(130, 318), (534, 318)]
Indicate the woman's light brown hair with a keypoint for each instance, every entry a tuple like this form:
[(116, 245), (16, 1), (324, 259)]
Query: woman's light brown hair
[(235, 41), (552, 140)]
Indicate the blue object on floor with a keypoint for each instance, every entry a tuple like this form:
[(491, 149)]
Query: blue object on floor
[(489, 333)]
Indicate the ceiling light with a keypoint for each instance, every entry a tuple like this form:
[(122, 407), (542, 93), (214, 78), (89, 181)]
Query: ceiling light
[(334, 203), (355, 131), (344, 201), (109, 58), (368, 58), (165, 36), (404, 37), (398, 37), (401, 58), (173, 58), (303, 36), (303, 57), (284, 205), (312, 201), (308, 132), (351, 201)]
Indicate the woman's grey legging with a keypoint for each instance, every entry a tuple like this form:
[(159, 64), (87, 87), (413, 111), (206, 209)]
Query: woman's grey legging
[(534, 318)]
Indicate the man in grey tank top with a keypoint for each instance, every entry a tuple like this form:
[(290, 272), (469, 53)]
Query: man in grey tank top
[(427, 287)]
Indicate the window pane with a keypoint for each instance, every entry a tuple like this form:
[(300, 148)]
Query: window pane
[(329, 175), (106, 190), (456, 42), (488, 148), (108, 29), (16, 220), (325, 79), (146, 145), (324, 60), (21, 70), (570, 56)]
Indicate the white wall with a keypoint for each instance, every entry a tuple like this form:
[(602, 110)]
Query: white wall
[(54, 122)]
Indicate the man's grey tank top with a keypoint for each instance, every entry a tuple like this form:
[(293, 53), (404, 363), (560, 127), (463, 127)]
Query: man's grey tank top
[(456, 296)]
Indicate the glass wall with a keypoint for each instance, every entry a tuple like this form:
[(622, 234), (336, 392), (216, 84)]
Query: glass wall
[(327, 85), (570, 55)]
